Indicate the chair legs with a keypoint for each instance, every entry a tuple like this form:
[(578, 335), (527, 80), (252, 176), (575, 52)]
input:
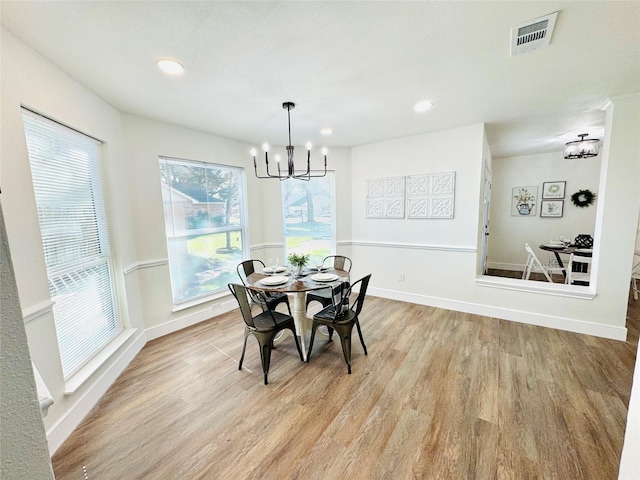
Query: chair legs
[(364, 347), (265, 342), (244, 347), (344, 332)]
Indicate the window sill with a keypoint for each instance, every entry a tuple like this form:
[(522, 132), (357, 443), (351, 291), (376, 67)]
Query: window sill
[(543, 288), (82, 375), (199, 301)]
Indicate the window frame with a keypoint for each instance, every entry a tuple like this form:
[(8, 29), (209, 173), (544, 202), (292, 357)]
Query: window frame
[(86, 289), (333, 225), (184, 233)]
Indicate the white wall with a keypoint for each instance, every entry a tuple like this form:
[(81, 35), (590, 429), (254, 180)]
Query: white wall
[(21, 427), (145, 141), (29, 80), (510, 233), (439, 257)]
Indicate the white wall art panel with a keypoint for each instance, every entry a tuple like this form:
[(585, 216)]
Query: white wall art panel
[(385, 197), (431, 195)]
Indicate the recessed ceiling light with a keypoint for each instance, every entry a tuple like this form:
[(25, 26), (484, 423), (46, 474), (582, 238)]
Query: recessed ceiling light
[(170, 66), (423, 106), (326, 131)]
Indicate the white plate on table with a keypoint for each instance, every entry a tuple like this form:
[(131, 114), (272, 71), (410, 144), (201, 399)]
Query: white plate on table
[(274, 280), (555, 245), (583, 250), (324, 277), (274, 269)]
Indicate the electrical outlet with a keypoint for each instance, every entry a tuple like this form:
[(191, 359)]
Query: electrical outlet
[(401, 276)]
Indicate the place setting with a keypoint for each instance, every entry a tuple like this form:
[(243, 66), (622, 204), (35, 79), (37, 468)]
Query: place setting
[(273, 267), (274, 280), (324, 277)]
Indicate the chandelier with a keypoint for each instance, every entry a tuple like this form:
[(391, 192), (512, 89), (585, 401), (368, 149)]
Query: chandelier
[(581, 148), (290, 171)]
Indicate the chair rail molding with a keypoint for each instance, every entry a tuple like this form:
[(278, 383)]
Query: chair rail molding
[(412, 246), (145, 264), (37, 310)]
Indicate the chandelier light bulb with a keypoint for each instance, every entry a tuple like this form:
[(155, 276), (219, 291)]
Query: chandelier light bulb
[(324, 150), (254, 152), (289, 169)]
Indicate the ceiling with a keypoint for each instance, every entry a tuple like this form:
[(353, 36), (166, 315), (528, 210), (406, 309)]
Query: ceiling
[(356, 67)]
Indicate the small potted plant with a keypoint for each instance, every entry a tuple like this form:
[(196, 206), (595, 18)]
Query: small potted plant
[(298, 261)]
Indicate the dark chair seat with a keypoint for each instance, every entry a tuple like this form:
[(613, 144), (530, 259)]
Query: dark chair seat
[(341, 318), (264, 326)]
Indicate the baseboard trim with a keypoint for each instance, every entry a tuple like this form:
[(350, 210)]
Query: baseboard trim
[(61, 429), (549, 321), (190, 319)]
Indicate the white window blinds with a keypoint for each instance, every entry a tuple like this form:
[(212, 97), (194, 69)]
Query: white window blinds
[(67, 182)]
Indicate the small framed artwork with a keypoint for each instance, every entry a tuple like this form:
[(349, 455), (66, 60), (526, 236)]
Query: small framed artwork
[(551, 208), (553, 190), (524, 202)]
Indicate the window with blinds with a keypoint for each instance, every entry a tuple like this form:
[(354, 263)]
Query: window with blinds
[(67, 182), (204, 207)]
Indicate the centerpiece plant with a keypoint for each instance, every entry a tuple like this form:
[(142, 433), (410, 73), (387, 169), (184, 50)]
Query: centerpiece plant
[(298, 261)]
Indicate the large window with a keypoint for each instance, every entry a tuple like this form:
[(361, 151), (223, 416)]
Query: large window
[(205, 225), (309, 216), (65, 167)]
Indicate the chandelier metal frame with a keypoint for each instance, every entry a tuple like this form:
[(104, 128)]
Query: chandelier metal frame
[(290, 172)]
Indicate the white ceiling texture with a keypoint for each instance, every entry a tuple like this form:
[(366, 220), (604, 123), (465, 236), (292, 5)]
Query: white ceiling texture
[(356, 67)]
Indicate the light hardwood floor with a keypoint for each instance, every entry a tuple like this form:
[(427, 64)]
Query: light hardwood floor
[(441, 395)]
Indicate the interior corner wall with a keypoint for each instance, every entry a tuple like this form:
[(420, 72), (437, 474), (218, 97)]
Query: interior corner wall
[(21, 429), (145, 141), (419, 257), (29, 80), (509, 233), (434, 262)]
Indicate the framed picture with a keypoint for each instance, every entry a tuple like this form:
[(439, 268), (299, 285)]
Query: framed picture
[(553, 189), (551, 208), (524, 201)]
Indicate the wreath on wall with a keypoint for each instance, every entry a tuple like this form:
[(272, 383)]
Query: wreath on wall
[(583, 198)]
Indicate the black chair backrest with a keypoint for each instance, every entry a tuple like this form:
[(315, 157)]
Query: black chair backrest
[(341, 301), (364, 283), (247, 267), (240, 293), (340, 262)]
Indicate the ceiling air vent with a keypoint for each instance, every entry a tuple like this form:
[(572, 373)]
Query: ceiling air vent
[(532, 34)]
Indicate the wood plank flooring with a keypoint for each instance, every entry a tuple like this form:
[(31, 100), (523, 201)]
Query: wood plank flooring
[(441, 395)]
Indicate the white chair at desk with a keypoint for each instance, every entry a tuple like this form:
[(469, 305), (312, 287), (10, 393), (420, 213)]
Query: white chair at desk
[(533, 262), (579, 275)]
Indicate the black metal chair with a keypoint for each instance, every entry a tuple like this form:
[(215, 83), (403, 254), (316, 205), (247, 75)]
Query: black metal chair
[(341, 317), (325, 296), (264, 326), (269, 299)]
